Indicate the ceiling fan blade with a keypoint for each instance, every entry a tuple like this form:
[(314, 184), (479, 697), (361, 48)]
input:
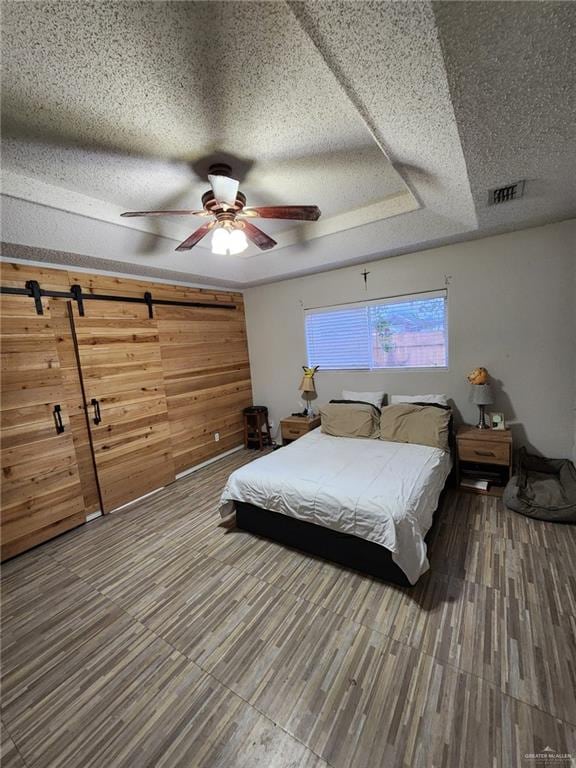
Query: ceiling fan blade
[(225, 189), (165, 213), (296, 212), (195, 237), (259, 238)]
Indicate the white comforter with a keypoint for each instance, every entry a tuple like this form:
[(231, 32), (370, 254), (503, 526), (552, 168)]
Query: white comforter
[(380, 491)]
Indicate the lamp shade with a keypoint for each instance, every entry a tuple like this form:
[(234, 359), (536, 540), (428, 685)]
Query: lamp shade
[(307, 384), (482, 394)]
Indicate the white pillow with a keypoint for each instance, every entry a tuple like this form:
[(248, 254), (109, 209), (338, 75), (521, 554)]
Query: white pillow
[(375, 398), (439, 399)]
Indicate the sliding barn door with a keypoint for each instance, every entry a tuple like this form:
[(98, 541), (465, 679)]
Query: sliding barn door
[(41, 493), (119, 358)]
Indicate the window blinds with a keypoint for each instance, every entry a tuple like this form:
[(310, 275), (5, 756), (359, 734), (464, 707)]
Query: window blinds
[(398, 332)]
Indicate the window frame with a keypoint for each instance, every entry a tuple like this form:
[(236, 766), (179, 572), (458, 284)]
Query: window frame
[(429, 294)]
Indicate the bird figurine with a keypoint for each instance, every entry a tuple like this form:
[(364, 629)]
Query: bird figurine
[(309, 372)]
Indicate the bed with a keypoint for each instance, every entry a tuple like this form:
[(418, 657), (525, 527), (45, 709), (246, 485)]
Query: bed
[(367, 504)]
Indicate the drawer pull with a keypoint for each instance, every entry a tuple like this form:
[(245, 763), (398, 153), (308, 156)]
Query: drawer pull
[(294, 432), (484, 453)]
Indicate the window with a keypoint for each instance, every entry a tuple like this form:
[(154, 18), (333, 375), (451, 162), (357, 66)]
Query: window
[(402, 332)]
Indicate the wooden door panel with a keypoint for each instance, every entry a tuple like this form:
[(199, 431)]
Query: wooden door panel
[(12, 306), (119, 354), (31, 452), (21, 472), (21, 544), (30, 517), (27, 361), (26, 491), (41, 493), (111, 355), (31, 433), (22, 417), (60, 313), (23, 397), (135, 436)]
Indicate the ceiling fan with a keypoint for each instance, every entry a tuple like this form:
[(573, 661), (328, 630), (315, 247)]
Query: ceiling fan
[(225, 205)]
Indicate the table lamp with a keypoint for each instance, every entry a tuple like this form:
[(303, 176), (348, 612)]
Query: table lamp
[(308, 388), (482, 396)]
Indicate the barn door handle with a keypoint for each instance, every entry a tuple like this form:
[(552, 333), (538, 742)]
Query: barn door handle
[(57, 412), (97, 416)]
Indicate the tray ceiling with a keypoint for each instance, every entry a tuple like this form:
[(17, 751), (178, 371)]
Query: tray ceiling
[(375, 111)]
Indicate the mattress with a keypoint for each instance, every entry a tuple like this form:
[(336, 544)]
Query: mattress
[(380, 491)]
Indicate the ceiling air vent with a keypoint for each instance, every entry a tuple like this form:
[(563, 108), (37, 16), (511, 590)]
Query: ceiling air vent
[(507, 193)]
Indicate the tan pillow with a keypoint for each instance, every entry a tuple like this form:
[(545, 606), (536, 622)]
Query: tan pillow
[(350, 419), (418, 424)]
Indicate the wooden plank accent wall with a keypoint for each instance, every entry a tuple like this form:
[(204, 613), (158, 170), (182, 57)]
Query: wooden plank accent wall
[(201, 369), (207, 379), (16, 275)]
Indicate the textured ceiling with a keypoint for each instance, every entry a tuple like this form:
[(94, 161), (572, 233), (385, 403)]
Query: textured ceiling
[(512, 74), (141, 92), (395, 118)]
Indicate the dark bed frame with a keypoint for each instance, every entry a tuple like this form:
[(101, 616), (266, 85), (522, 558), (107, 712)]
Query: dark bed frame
[(343, 548), (351, 551)]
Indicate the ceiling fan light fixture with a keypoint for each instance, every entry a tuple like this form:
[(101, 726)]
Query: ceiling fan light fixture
[(220, 241), (226, 242), (237, 242), (224, 204)]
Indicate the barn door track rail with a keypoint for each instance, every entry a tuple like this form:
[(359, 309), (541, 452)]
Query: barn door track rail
[(34, 291)]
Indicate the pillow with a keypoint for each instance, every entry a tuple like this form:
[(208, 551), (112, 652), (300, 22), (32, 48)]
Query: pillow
[(417, 424), (440, 399), (346, 419), (376, 398)]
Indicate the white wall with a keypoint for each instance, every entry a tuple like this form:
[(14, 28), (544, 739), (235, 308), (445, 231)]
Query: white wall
[(511, 308)]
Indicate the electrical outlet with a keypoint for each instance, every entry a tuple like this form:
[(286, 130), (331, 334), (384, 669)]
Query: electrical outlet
[(272, 426), (216, 436)]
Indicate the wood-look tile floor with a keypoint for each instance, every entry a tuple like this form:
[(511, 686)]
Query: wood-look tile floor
[(158, 637)]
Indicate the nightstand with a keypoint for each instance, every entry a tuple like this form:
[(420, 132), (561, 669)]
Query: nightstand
[(483, 453), (294, 427)]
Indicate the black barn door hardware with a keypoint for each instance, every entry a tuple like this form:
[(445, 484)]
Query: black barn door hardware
[(34, 287), (97, 415), (57, 413), (148, 300), (36, 292), (76, 291)]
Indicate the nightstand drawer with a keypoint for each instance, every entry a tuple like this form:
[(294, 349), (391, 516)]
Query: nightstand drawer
[(484, 451), (292, 431), (294, 427)]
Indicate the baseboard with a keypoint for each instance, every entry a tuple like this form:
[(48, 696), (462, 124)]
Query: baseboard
[(196, 467), (135, 501)]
